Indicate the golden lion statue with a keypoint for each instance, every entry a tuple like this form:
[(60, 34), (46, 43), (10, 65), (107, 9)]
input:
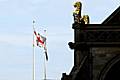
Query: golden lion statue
[(77, 14)]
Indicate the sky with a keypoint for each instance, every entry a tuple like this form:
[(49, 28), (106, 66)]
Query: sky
[(55, 16)]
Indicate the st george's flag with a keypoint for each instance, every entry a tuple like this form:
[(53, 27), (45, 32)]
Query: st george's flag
[(41, 42)]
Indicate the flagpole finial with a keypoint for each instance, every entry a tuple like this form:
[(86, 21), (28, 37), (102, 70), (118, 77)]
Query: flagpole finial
[(44, 30), (33, 21)]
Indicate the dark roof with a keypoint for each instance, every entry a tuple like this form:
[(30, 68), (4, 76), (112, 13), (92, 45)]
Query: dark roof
[(114, 18)]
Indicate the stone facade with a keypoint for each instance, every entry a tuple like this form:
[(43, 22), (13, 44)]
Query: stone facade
[(96, 50)]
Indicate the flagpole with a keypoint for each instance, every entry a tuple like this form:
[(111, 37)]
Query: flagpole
[(45, 74), (45, 68), (33, 53)]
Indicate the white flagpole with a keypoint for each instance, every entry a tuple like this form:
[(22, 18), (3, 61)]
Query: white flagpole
[(45, 68), (45, 74), (33, 54)]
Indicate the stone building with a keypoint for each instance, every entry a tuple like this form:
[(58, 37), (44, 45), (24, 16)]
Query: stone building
[(96, 50)]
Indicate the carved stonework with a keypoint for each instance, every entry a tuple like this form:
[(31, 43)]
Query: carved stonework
[(96, 49)]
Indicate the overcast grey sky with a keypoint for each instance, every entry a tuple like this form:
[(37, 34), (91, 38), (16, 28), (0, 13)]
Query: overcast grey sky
[(53, 15)]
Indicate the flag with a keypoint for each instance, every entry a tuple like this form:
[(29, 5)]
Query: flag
[(41, 42), (39, 39), (45, 48)]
